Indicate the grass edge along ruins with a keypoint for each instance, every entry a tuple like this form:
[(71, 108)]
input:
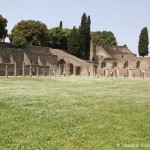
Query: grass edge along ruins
[(104, 61)]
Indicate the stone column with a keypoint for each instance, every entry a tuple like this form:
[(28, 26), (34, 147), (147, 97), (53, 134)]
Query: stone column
[(55, 72), (143, 74), (37, 71), (116, 72), (23, 69), (94, 71), (105, 72), (128, 73), (30, 71), (49, 71), (43, 72), (15, 69), (60, 70), (74, 70), (6, 71), (88, 71), (64, 72), (81, 71), (67, 69)]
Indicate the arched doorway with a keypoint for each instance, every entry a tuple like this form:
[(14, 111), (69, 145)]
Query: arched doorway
[(103, 64), (61, 65), (114, 64), (126, 64), (71, 69), (78, 70), (138, 64)]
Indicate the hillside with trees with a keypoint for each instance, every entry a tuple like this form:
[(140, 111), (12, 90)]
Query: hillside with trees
[(75, 41)]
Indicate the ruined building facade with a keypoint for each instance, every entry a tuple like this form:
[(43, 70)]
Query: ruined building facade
[(119, 61), (104, 61)]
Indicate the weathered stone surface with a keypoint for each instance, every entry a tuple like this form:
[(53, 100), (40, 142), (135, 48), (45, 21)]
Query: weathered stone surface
[(107, 61)]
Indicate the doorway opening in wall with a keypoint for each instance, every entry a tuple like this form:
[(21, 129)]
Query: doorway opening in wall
[(71, 69), (126, 64), (61, 65), (114, 64), (78, 70), (138, 64), (33, 71), (122, 56), (103, 64)]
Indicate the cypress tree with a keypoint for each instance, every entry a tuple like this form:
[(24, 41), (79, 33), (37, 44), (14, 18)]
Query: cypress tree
[(143, 43), (88, 38), (84, 36), (61, 25), (73, 42)]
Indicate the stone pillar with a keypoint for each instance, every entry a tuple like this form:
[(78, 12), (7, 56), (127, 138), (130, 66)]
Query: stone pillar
[(67, 69), (49, 71), (74, 70), (142, 73), (30, 71), (98, 71), (94, 71), (15, 69), (60, 70), (44, 72), (6, 71), (1, 60), (128, 73), (116, 72), (105, 72), (64, 70), (37, 71), (23, 69), (87, 71), (81, 71), (55, 72)]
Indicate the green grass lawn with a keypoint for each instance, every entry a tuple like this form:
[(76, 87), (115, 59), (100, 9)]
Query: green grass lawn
[(74, 113)]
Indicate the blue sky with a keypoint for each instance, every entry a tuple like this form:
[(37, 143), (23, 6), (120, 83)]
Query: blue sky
[(125, 18)]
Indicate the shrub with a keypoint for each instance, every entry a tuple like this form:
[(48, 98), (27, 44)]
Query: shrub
[(19, 42)]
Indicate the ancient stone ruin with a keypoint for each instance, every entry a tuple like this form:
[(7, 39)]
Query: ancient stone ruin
[(40, 61), (104, 61), (118, 61)]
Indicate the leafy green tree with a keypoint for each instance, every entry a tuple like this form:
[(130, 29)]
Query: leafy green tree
[(73, 42), (19, 42), (3, 30), (84, 36), (58, 38), (34, 32), (104, 38), (143, 43)]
